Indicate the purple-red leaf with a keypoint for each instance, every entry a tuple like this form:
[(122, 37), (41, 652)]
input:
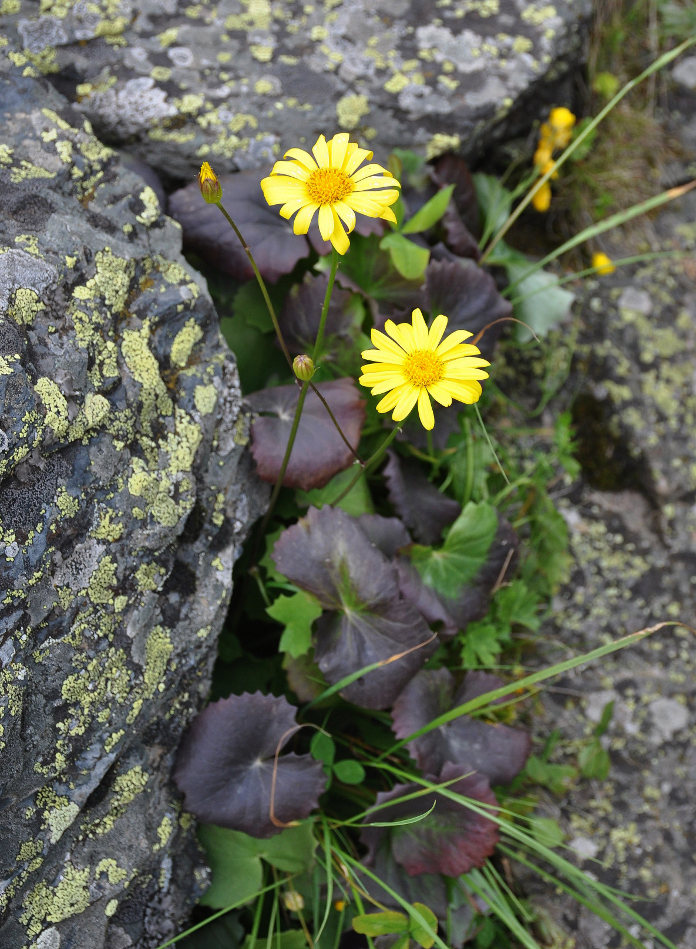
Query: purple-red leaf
[(496, 751), (225, 766), (275, 248), (467, 294), (452, 839), (418, 503), (462, 216), (301, 313), (328, 554), (319, 452)]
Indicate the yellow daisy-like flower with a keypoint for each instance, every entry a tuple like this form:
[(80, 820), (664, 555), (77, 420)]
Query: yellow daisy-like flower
[(413, 363), (332, 183)]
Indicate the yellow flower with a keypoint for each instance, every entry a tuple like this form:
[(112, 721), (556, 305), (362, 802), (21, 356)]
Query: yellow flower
[(332, 183), (210, 186), (559, 129), (602, 263), (542, 198), (413, 363)]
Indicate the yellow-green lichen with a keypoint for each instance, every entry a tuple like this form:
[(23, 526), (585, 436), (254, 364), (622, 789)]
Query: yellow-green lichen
[(125, 789), (24, 304), (113, 740), (107, 528), (152, 207), (114, 873), (164, 832), (145, 370), (158, 649), (102, 581), (441, 143), (67, 504), (351, 109), (111, 907), (52, 904), (205, 398), (149, 576), (56, 405), (184, 341), (537, 16), (26, 171)]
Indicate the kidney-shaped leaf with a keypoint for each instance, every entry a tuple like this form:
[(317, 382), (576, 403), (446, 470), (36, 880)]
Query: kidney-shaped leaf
[(226, 762), (328, 554), (496, 751), (319, 451), (418, 503), (467, 294), (275, 248), (452, 839)]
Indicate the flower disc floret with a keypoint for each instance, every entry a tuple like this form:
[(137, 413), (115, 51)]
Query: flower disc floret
[(332, 184), (412, 364)]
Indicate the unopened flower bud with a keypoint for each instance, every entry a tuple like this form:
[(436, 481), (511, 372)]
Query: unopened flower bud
[(303, 367), (210, 186), (293, 901)]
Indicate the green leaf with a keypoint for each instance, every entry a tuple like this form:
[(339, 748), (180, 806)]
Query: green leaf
[(349, 772), (296, 613), (538, 300), (463, 553), (323, 748), (494, 201), (594, 760), (358, 500), (287, 939), (381, 924), (482, 643), (419, 932), (555, 777), (409, 259), (546, 831), (430, 213), (516, 604), (237, 874), (605, 718), (292, 850), (250, 306)]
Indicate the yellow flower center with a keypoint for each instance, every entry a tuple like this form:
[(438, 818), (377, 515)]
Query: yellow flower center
[(423, 368), (328, 185)]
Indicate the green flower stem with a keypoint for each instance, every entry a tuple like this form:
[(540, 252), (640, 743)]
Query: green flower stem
[(335, 260), (335, 421), (281, 474), (368, 465), (261, 282)]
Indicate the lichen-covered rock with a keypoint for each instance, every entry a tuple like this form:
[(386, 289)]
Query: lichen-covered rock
[(231, 81), (122, 505), (632, 527)]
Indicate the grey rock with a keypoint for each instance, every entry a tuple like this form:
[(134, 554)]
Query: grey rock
[(124, 498), (236, 82)]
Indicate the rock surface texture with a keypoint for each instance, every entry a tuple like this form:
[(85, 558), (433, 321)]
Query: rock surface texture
[(237, 81), (122, 506)]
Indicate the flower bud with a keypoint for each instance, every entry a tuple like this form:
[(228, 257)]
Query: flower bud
[(211, 189), (293, 901), (303, 367)]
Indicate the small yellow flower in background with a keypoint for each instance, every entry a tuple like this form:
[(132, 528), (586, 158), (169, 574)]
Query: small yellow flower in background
[(208, 182), (559, 128), (602, 263), (542, 198), (554, 134), (412, 363), (332, 183)]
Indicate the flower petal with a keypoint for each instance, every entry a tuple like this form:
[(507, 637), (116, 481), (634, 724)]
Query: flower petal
[(382, 341), (354, 158), (406, 403), (346, 214), (420, 330), (292, 169), (299, 154), (339, 240), (425, 410), (325, 222), (338, 147), (439, 325), (321, 153), (304, 218), (390, 400)]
